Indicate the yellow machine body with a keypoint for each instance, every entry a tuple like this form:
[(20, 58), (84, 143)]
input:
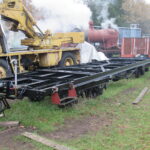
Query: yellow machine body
[(45, 49)]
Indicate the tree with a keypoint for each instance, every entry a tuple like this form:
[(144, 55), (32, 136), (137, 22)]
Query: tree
[(95, 11), (112, 8), (137, 12), (116, 11), (34, 11)]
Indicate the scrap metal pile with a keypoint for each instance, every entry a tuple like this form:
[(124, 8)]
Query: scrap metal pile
[(65, 84)]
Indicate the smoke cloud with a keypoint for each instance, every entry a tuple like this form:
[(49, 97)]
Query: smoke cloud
[(62, 15), (104, 15)]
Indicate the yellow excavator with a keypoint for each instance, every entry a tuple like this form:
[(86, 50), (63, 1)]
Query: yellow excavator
[(40, 49)]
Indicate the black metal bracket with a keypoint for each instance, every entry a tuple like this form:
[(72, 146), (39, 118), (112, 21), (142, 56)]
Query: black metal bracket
[(3, 104)]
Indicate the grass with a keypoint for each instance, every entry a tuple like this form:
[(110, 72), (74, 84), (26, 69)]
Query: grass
[(38, 145), (2, 128), (130, 129)]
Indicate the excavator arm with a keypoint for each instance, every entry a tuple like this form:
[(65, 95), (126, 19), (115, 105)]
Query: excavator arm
[(16, 12), (20, 19)]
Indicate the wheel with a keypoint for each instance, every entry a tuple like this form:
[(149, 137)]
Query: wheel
[(137, 73), (142, 71), (5, 70), (68, 59)]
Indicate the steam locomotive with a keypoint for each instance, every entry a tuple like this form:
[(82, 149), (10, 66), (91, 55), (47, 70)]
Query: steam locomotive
[(125, 42)]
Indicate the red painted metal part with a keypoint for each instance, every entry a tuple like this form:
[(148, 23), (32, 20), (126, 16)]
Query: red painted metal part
[(72, 93), (131, 47), (55, 98), (107, 37)]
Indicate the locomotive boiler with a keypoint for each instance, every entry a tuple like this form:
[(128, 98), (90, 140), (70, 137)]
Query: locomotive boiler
[(105, 40)]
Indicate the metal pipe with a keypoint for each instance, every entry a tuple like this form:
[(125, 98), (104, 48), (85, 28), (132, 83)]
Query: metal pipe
[(14, 61), (40, 30)]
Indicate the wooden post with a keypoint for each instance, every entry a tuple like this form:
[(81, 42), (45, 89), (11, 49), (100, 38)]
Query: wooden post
[(2, 115)]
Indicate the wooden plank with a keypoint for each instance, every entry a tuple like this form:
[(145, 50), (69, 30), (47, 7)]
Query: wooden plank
[(1, 115), (9, 124), (140, 97), (45, 141)]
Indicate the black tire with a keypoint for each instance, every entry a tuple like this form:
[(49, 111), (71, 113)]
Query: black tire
[(66, 56), (142, 71), (6, 67)]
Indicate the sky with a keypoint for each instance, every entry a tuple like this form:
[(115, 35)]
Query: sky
[(147, 1)]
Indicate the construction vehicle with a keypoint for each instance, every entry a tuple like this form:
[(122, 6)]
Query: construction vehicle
[(42, 49)]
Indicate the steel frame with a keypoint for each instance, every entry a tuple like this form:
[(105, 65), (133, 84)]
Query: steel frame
[(65, 84), (3, 103)]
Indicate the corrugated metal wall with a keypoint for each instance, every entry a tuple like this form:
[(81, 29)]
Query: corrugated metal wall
[(131, 47), (125, 32)]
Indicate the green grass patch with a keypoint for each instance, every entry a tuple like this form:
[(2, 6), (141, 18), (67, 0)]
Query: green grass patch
[(130, 129), (2, 128)]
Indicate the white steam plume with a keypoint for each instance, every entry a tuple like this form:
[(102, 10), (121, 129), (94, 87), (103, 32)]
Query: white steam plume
[(104, 15), (62, 15)]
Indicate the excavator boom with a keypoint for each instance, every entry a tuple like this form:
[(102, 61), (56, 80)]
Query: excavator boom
[(20, 19), (16, 12)]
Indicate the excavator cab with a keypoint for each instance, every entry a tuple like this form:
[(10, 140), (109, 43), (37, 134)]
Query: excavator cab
[(10, 41)]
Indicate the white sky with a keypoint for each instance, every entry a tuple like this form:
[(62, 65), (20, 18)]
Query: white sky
[(147, 1)]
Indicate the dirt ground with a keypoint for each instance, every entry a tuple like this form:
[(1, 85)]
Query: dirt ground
[(129, 91), (72, 128), (8, 140), (75, 128)]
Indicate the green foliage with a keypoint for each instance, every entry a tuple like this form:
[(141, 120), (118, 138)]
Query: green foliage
[(116, 11), (95, 11), (137, 12), (124, 11)]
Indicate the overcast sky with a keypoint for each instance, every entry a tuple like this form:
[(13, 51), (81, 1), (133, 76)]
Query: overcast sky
[(148, 1)]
